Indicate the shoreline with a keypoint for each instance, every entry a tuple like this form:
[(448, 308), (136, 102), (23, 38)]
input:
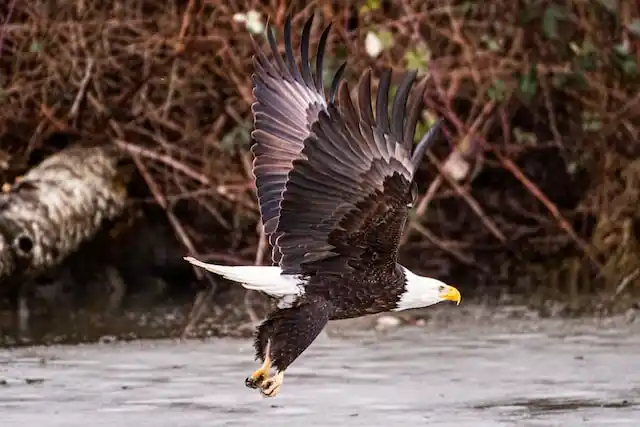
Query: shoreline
[(168, 323)]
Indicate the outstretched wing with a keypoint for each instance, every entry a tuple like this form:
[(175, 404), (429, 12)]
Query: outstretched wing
[(348, 195), (287, 102), (334, 183)]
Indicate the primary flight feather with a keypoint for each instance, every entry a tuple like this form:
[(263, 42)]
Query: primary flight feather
[(335, 186)]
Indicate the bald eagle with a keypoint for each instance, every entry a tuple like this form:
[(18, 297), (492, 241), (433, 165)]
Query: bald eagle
[(334, 185)]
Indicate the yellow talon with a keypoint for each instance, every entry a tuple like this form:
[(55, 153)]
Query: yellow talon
[(257, 378), (271, 387)]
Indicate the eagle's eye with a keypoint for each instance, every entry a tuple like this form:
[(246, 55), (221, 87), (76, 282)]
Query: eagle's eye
[(441, 288)]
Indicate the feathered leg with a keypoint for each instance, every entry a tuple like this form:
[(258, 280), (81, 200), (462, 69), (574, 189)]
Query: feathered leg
[(282, 337)]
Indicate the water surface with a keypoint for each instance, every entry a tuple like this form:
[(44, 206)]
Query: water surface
[(551, 375)]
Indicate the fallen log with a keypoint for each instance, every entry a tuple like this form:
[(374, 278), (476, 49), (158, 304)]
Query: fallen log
[(55, 207)]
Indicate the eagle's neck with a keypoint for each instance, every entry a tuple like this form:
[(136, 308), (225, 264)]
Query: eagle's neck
[(419, 291)]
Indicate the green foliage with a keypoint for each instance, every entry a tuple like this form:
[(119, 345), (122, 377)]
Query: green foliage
[(493, 44), (586, 56), (551, 20), (35, 47), (529, 83), (386, 38), (559, 80), (466, 7), (417, 58), (625, 60), (422, 127), (523, 137), (238, 137), (497, 91), (331, 64), (591, 122), (370, 5)]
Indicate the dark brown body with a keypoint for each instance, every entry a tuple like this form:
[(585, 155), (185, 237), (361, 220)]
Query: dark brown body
[(354, 297), (332, 299)]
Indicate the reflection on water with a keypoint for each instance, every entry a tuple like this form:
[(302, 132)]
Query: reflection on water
[(454, 376)]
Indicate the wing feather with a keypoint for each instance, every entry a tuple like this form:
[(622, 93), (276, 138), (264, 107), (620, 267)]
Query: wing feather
[(382, 98), (287, 102), (340, 211)]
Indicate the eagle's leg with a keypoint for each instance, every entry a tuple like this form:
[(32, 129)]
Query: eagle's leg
[(257, 378), (282, 337), (269, 385)]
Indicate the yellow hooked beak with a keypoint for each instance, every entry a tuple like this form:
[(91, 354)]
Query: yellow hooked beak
[(451, 294)]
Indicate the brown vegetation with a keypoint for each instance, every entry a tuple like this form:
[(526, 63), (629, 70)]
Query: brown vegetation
[(541, 100)]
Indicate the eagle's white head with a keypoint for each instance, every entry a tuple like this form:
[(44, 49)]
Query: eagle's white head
[(425, 291)]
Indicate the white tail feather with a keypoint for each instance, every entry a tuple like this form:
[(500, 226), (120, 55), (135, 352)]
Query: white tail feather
[(256, 277)]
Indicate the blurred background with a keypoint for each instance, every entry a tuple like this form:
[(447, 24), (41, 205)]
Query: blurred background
[(125, 135)]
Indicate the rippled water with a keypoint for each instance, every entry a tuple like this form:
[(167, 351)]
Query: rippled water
[(412, 376)]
